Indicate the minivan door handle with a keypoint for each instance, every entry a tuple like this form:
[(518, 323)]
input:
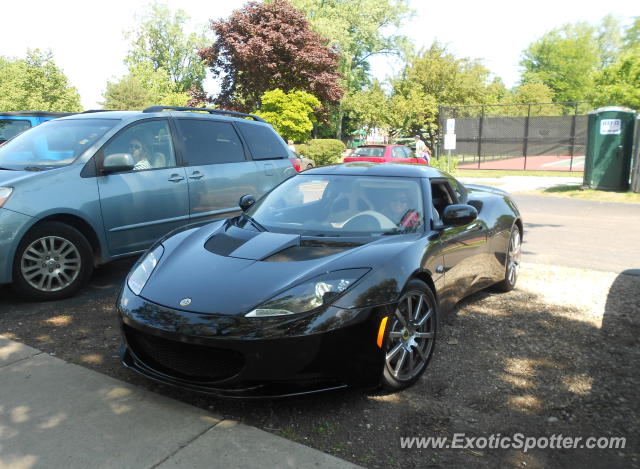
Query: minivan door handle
[(196, 175), (176, 178)]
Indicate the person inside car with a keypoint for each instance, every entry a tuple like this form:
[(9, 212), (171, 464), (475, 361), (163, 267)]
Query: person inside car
[(402, 212), (140, 154)]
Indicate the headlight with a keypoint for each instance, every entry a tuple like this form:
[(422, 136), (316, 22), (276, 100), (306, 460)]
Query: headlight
[(5, 192), (138, 278), (320, 291)]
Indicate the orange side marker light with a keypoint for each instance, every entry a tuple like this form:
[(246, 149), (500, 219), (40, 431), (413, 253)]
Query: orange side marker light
[(383, 326)]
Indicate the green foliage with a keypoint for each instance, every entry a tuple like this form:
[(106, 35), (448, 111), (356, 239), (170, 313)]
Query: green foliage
[(143, 87), (358, 29), (632, 34), (322, 151), (619, 83), (441, 163), (436, 77), (36, 83), (565, 60), (159, 41), (291, 114), (367, 108)]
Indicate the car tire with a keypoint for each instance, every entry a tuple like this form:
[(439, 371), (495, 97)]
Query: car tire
[(410, 337), (52, 262), (512, 261)]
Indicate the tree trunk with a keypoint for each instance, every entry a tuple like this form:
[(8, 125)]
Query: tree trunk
[(339, 123)]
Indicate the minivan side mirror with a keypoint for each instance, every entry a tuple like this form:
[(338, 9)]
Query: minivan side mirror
[(117, 162), (246, 201), (458, 215)]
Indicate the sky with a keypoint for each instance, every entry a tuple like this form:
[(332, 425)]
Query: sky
[(88, 41)]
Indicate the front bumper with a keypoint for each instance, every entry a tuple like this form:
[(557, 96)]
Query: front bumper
[(13, 226), (251, 357)]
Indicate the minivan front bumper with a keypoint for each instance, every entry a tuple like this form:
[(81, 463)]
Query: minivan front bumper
[(13, 226)]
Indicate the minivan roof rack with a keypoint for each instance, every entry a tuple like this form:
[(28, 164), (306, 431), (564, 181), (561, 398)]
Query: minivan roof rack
[(90, 111), (203, 109)]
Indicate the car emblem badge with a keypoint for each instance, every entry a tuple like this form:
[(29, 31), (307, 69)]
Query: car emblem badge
[(185, 302)]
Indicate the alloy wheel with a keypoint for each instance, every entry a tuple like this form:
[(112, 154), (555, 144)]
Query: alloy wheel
[(513, 256), (411, 336), (50, 263)]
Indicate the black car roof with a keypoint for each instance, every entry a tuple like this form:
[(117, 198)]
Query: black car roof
[(380, 169)]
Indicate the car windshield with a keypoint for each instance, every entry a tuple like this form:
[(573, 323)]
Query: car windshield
[(9, 128), (369, 151), (53, 144), (342, 206)]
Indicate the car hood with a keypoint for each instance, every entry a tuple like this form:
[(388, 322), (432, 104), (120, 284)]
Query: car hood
[(226, 270), (10, 177)]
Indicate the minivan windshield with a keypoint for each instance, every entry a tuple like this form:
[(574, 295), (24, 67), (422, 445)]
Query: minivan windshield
[(53, 144), (342, 206)]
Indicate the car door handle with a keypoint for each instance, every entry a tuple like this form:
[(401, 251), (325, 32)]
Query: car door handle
[(176, 178), (196, 175)]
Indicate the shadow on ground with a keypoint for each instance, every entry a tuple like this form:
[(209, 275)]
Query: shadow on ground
[(505, 364)]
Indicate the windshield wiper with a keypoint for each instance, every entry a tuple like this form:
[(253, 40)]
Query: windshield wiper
[(9, 169), (251, 220), (33, 168)]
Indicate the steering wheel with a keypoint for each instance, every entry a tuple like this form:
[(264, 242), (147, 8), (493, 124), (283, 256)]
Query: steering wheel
[(362, 222)]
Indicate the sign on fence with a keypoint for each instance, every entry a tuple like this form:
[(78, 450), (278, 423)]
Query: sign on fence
[(450, 141)]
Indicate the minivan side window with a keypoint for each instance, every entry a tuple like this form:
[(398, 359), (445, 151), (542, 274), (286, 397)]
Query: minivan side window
[(263, 142), (210, 142), (149, 143)]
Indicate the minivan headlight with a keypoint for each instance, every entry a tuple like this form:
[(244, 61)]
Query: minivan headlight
[(319, 291), (143, 270), (5, 192)]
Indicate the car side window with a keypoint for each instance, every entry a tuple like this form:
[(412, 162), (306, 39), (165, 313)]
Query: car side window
[(210, 142), (149, 143), (441, 196), (263, 142), (459, 190), (407, 152), (396, 152)]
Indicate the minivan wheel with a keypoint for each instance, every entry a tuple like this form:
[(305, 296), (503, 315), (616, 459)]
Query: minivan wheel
[(52, 262)]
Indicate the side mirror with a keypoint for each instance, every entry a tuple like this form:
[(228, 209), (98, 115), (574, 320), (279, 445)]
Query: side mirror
[(246, 201), (117, 162), (458, 215)]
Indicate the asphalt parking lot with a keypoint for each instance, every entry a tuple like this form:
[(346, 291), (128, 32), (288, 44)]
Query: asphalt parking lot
[(557, 355)]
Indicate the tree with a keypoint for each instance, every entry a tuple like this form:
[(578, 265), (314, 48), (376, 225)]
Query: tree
[(36, 83), (262, 47), (141, 88), (291, 114), (358, 29), (159, 41), (619, 83), (367, 108), (632, 34), (436, 77), (564, 59)]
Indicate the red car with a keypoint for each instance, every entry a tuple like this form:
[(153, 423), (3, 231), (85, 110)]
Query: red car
[(384, 153)]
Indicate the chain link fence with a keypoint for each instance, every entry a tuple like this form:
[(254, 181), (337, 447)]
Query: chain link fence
[(541, 136)]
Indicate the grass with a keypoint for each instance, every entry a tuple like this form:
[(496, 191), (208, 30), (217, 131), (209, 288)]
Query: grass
[(577, 192), (498, 173)]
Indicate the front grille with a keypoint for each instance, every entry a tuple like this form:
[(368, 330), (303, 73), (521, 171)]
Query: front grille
[(184, 361)]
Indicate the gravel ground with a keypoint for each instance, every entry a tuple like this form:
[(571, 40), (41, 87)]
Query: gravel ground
[(559, 355)]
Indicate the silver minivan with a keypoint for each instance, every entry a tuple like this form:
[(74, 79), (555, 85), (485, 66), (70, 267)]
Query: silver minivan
[(80, 191)]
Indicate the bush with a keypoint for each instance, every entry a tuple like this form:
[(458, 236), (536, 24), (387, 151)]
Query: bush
[(441, 163), (322, 151)]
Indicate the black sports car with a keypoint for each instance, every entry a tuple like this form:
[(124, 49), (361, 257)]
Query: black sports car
[(339, 276)]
